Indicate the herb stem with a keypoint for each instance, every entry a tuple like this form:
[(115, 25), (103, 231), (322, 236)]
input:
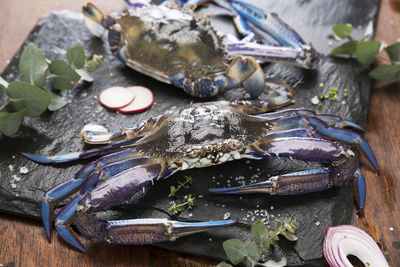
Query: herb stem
[(5, 104)]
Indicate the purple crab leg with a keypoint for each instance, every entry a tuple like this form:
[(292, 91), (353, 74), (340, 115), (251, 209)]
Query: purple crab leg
[(323, 128), (86, 179)]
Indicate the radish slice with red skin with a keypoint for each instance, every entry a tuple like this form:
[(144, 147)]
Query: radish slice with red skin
[(116, 97), (143, 100), (343, 240)]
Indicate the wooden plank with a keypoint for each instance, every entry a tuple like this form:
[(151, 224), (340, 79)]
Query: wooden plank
[(23, 243)]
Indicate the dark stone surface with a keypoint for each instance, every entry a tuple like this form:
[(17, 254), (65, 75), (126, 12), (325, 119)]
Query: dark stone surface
[(56, 132)]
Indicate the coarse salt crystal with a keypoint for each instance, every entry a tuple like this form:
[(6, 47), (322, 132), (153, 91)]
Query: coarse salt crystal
[(23, 170), (315, 100), (317, 223), (11, 167), (227, 215), (391, 228)]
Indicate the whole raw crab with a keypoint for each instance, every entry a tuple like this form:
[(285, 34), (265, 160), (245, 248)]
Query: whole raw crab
[(194, 136), (174, 45)]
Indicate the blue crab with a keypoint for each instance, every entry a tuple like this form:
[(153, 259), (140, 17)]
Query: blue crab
[(176, 46), (194, 136)]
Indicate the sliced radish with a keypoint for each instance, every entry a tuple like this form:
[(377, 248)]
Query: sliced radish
[(116, 97), (143, 100)]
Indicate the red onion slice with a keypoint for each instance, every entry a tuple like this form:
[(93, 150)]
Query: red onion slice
[(343, 240)]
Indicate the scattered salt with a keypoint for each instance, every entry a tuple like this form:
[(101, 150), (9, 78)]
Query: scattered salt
[(315, 100), (391, 228), (227, 215), (11, 167), (317, 223), (13, 185), (23, 170), (190, 214), (272, 208)]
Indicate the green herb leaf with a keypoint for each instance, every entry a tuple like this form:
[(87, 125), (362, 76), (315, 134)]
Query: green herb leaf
[(348, 48), (56, 103), (393, 52), (342, 30), (10, 122), (85, 75), (29, 97), (223, 264), (234, 250), (260, 232), (93, 62), (272, 263), (288, 235), (252, 253), (289, 225), (367, 51), (33, 66), (386, 73), (64, 76), (76, 57)]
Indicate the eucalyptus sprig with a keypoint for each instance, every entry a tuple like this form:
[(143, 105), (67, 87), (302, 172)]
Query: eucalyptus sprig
[(366, 52), (29, 98), (249, 252)]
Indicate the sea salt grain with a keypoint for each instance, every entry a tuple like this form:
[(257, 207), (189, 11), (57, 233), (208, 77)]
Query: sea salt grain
[(317, 223), (227, 215), (11, 167), (24, 170), (391, 228)]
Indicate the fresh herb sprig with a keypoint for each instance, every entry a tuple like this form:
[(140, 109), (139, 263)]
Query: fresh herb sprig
[(250, 252), (176, 206), (29, 98), (366, 52)]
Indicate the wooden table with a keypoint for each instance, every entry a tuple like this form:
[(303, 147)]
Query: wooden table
[(23, 242)]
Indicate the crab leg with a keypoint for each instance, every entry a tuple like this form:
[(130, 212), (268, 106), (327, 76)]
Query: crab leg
[(334, 133), (342, 168), (117, 188)]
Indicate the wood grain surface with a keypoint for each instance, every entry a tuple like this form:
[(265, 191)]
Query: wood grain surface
[(23, 242)]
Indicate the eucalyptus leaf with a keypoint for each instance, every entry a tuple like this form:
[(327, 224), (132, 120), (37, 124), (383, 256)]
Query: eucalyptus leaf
[(386, 73), (342, 30), (56, 103), (251, 252), (234, 250), (33, 65), (10, 122), (26, 96), (367, 51), (64, 76), (393, 52), (93, 62), (348, 48), (76, 57), (272, 263), (224, 264), (260, 232), (85, 76)]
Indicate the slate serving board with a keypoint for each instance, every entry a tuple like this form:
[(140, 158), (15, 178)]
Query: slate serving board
[(56, 132)]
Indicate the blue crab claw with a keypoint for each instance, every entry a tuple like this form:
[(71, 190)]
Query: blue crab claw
[(45, 159), (247, 72), (269, 23), (93, 18)]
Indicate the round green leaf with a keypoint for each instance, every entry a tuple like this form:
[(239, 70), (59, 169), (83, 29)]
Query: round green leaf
[(76, 57), (223, 264), (342, 30), (386, 73), (393, 52), (56, 103), (85, 75), (288, 235), (260, 232), (367, 51), (64, 76), (33, 65), (234, 250), (10, 122), (252, 253), (93, 62), (29, 97), (348, 48)]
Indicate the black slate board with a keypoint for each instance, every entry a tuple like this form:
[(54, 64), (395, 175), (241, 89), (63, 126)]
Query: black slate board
[(56, 132)]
